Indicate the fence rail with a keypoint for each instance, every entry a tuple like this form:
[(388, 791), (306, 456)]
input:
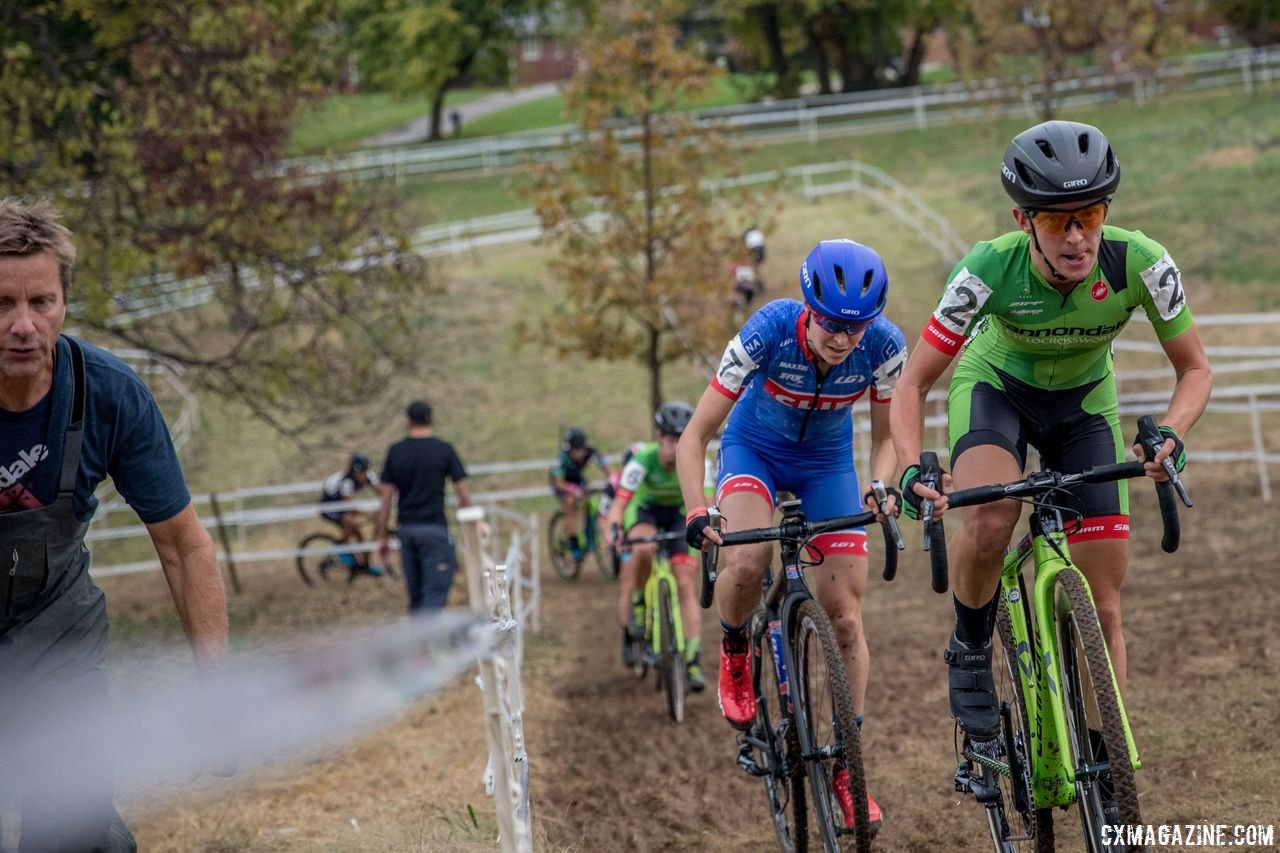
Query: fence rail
[(813, 118)]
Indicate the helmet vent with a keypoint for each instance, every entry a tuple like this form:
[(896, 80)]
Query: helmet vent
[(840, 284), (1024, 174), (867, 279), (1046, 149), (1083, 140), (817, 286)]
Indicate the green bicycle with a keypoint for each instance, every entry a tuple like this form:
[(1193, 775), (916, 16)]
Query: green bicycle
[(1065, 737), (663, 646)]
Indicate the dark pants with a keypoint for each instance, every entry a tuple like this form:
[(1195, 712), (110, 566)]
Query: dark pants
[(430, 561)]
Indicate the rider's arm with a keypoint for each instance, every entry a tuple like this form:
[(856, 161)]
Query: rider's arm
[(883, 461), (386, 492), (906, 410), (1190, 393), (463, 491), (691, 452)]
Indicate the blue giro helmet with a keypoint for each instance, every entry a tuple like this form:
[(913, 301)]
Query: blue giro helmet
[(844, 281)]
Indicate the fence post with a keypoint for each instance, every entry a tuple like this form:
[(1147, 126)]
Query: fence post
[(1260, 448), (226, 543), (1246, 71), (922, 118), (501, 762)]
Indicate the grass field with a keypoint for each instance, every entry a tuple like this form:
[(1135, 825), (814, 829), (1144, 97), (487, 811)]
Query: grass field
[(1200, 176)]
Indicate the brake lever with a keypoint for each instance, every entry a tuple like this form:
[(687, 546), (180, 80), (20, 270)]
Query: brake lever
[(1152, 441), (877, 488)]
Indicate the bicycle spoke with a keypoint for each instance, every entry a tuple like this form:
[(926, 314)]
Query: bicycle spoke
[(780, 755)]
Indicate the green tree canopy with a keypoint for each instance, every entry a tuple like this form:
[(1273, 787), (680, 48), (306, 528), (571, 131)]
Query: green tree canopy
[(156, 128)]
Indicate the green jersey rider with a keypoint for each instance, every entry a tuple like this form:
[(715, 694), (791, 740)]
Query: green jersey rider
[(1039, 308), (648, 501)]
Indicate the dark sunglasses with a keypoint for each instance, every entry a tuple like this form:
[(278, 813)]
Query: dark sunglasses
[(1059, 221), (835, 327)]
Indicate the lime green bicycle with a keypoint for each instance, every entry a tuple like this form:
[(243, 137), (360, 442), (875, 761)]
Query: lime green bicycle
[(1065, 737), (663, 647)]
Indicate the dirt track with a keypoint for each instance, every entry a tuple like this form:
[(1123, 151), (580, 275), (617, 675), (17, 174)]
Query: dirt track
[(610, 773), (1204, 645)]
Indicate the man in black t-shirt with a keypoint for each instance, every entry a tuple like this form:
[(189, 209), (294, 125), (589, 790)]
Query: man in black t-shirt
[(415, 469)]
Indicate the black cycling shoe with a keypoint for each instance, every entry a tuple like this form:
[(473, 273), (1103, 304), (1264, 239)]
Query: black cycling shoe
[(973, 689), (629, 657)]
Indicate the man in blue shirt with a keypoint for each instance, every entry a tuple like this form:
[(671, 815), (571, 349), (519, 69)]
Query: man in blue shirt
[(70, 416)]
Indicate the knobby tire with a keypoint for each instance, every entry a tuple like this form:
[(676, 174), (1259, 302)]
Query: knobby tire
[(320, 567), (784, 792), (824, 710), (671, 658), (1080, 637), (562, 561)]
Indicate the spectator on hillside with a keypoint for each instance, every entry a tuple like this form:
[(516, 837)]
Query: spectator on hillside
[(71, 415), (415, 470)]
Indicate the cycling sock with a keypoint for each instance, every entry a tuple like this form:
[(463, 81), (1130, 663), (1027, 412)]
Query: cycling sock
[(735, 637), (858, 719), (974, 624), (691, 648)]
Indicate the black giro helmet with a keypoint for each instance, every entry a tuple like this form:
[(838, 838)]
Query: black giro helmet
[(359, 462), (673, 417), (575, 438), (1059, 162)]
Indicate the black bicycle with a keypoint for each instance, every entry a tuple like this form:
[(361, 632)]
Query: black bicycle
[(805, 724)]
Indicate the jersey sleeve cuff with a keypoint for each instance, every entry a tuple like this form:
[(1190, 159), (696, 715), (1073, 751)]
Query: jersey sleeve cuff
[(941, 338)]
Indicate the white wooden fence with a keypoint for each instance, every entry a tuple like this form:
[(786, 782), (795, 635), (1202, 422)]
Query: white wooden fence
[(921, 107)]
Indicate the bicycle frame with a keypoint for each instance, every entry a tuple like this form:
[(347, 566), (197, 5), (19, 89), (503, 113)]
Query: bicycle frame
[(659, 573), (1053, 781)]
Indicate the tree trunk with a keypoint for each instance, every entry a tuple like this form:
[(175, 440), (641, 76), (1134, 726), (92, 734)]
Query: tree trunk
[(821, 61), (788, 85), (654, 363), (437, 112), (915, 56)]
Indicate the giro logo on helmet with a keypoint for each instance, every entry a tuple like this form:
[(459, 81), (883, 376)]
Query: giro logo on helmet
[(1008, 173), (1079, 182)]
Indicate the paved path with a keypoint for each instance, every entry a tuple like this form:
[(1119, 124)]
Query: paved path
[(416, 130)]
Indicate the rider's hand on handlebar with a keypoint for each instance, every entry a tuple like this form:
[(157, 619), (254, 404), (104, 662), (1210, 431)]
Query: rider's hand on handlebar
[(915, 493), (892, 504), (698, 529), (614, 536), (1172, 449)]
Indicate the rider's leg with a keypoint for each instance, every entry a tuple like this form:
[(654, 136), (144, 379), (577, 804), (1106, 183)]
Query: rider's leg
[(635, 572), (685, 568), (737, 594), (839, 584), (350, 527), (1104, 562), (569, 507)]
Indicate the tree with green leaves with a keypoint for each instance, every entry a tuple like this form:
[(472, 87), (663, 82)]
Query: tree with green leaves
[(644, 233), (156, 129), (427, 47), (1120, 35)]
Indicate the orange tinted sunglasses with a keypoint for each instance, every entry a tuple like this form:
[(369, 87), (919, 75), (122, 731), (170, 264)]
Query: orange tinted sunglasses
[(1059, 221)]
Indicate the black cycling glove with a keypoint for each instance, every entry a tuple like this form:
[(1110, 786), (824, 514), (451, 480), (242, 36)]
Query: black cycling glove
[(912, 504), (890, 492), (1179, 454), (694, 523)]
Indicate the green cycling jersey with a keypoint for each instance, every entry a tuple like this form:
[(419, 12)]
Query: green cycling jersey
[(1003, 312), (646, 481)]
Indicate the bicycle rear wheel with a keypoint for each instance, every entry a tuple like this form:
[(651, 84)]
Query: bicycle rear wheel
[(824, 713), (671, 659), (775, 738), (1091, 700), (319, 567), (561, 559), (1015, 823)]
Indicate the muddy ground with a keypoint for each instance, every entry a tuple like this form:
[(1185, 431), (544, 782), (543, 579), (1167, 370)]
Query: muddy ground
[(610, 773)]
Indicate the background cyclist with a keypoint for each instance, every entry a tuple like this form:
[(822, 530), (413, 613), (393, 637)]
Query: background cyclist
[(787, 383), (1039, 308), (647, 502), (341, 488), (569, 482)]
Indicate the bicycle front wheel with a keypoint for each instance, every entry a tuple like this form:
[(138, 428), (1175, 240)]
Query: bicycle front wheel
[(1106, 793), (561, 558), (318, 567), (671, 663), (1015, 823), (824, 713), (776, 740)]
